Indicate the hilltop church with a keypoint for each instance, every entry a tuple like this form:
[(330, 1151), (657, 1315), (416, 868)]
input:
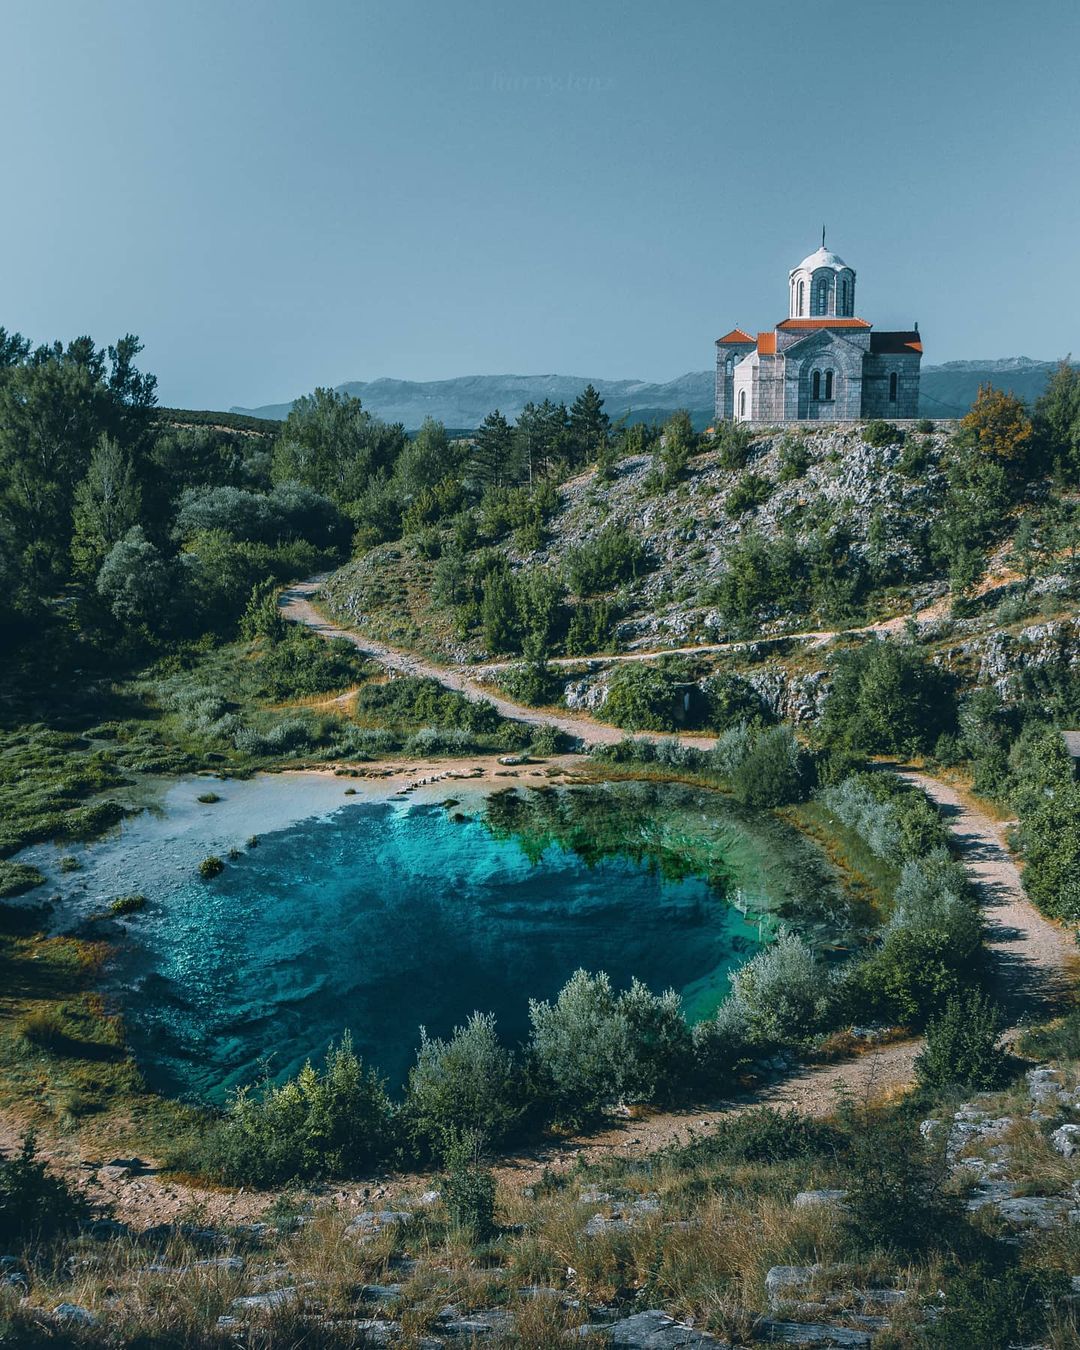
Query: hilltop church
[(821, 362)]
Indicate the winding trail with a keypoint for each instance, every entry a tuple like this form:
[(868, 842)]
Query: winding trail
[(1035, 958), (1036, 964)]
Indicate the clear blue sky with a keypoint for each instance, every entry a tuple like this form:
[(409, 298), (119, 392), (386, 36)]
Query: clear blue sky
[(277, 193)]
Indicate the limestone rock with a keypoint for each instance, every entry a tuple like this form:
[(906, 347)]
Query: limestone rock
[(372, 1221), (814, 1334), (816, 1199), (653, 1330), (75, 1315), (269, 1302), (1066, 1139)]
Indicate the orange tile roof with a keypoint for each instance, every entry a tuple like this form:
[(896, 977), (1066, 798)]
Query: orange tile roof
[(823, 323), (737, 335), (766, 344)]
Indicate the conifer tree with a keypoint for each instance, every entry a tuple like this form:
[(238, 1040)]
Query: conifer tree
[(107, 504), (492, 460), (589, 426)]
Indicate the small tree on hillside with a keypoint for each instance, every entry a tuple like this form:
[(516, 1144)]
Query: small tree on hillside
[(589, 426), (998, 425), (493, 461), (1057, 421), (107, 503)]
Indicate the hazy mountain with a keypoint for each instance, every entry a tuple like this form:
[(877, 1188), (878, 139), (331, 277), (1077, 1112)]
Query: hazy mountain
[(947, 391)]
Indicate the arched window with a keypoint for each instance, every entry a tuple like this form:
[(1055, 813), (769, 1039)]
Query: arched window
[(828, 384), (892, 387), (815, 385), (802, 298), (742, 402), (729, 365), (821, 303), (844, 296)]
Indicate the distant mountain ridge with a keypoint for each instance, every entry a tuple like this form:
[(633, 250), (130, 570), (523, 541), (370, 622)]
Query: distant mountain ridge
[(946, 391)]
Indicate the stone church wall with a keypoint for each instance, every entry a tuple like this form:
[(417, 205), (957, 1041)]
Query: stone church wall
[(876, 372)]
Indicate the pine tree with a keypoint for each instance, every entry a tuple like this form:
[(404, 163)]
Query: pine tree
[(492, 462), (589, 426), (107, 504)]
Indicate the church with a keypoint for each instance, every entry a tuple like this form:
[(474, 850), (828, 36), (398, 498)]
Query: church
[(821, 363)]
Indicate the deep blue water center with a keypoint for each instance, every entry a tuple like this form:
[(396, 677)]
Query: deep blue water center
[(377, 917)]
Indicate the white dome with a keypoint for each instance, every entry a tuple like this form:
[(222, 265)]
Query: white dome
[(821, 258)]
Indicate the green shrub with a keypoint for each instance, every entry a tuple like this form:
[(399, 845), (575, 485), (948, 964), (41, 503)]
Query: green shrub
[(440, 741), (774, 770), (733, 699), (897, 822), (211, 867), (611, 558), (337, 1121), (467, 1085), (752, 490), (547, 741), (733, 441), (924, 426), (643, 696), (782, 992), (593, 1048), (18, 878), (910, 977), (986, 1308), (761, 1135), (127, 904), (879, 433), (208, 798), (795, 459), (888, 698), (1051, 840), (35, 1205), (532, 682), (896, 1197), (591, 628), (962, 1046), (469, 1187)]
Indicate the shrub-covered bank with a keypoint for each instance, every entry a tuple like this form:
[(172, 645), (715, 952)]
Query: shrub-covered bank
[(595, 1047)]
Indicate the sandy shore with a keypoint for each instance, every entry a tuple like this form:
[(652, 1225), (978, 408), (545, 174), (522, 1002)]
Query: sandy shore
[(434, 780)]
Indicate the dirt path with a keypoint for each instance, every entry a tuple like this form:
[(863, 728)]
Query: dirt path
[(1035, 961), (1035, 958), (296, 604)]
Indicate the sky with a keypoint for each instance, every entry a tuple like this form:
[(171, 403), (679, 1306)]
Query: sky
[(276, 194)]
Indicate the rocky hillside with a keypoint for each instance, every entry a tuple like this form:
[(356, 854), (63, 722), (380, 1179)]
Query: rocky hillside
[(755, 562)]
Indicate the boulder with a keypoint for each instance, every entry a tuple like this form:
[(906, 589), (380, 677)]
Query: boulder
[(380, 1293), (600, 1224), (1036, 1211), (654, 1330), (1045, 1086), (816, 1199), (372, 1221), (783, 1282), (814, 1334), (1066, 1139), (75, 1315), (269, 1302)]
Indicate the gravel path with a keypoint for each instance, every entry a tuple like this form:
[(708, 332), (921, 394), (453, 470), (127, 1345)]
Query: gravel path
[(296, 604), (1035, 958), (1035, 961)]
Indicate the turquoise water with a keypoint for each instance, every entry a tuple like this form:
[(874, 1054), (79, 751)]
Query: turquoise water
[(379, 917)]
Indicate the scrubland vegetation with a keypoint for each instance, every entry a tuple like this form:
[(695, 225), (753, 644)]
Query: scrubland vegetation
[(141, 553)]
